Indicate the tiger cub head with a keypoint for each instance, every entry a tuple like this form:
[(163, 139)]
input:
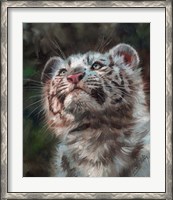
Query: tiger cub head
[(92, 82)]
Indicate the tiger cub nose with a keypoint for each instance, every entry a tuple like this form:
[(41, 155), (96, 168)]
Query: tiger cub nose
[(75, 78)]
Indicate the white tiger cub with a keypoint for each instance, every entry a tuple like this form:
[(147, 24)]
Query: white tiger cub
[(95, 104)]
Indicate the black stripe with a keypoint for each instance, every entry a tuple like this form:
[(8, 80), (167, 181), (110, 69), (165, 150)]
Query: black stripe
[(115, 83), (109, 73), (122, 81), (99, 95), (94, 84), (61, 98), (80, 128), (69, 63), (88, 59)]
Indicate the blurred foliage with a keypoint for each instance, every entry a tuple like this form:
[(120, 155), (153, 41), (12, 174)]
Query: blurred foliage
[(40, 42)]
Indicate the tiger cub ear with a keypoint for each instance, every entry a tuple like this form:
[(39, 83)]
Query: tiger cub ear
[(49, 68), (124, 54)]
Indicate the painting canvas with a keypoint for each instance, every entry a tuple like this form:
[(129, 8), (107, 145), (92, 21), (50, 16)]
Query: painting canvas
[(86, 99)]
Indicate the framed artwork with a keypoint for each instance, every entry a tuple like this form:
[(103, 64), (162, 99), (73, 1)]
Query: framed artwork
[(86, 98)]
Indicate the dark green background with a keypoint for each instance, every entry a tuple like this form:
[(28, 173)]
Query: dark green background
[(40, 42)]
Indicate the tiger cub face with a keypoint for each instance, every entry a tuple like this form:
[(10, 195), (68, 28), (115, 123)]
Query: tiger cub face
[(91, 82)]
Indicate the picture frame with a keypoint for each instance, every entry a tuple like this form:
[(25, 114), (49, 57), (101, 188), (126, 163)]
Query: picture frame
[(5, 106)]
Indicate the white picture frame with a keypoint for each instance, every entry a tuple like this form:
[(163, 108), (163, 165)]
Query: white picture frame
[(7, 104)]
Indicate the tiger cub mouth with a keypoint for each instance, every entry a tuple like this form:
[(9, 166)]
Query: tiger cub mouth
[(77, 89)]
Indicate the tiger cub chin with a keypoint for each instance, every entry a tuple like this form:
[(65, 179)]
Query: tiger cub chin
[(96, 106)]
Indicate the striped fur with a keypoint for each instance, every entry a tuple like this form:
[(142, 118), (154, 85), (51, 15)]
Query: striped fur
[(102, 121)]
